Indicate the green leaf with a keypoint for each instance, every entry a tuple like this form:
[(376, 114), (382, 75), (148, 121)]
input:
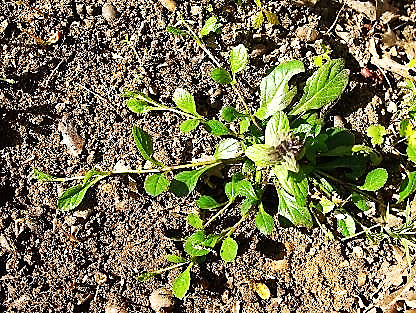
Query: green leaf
[(194, 220), (42, 176), (296, 184), (246, 206), (376, 133), (411, 152), (138, 106), (244, 124), (185, 182), (227, 149), (264, 221), (263, 155), (295, 211), (238, 59), (207, 202), (73, 196), (232, 189), (221, 76), (144, 143), (189, 125), (211, 25), (272, 18), (185, 101), (246, 189), (176, 31), (375, 180), (275, 94), (327, 205), (346, 225), (181, 284), (217, 128), (276, 129), (257, 20), (146, 276), (323, 87), (408, 186), (194, 244), (229, 248), (360, 201), (156, 184), (258, 3), (229, 114), (175, 258)]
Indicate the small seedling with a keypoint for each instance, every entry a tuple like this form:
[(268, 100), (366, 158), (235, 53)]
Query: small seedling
[(258, 19)]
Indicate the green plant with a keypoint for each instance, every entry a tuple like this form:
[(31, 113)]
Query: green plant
[(285, 143), (258, 19)]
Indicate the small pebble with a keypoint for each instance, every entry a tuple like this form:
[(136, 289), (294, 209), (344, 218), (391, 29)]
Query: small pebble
[(70, 138), (338, 121), (392, 107), (169, 4), (361, 279), (109, 12), (161, 299), (307, 33)]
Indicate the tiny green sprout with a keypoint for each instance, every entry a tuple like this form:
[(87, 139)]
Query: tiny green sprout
[(7, 80), (376, 133), (258, 18)]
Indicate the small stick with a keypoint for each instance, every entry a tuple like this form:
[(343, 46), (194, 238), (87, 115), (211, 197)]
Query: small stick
[(94, 93), (54, 71), (336, 20)]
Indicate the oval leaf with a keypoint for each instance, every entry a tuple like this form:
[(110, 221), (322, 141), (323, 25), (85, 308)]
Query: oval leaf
[(263, 155), (144, 143), (185, 101), (227, 149), (408, 186), (42, 176), (375, 180), (181, 284), (185, 182), (175, 258), (291, 209), (209, 26), (194, 244), (189, 125), (156, 184), (360, 201), (238, 59), (323, 87), (229, 248), (346, 225), (207, 202), (138, 106), (194, 220), (221, 76), (230, 114), (276, 129), (217, 128), (264, 221), (275, 94)]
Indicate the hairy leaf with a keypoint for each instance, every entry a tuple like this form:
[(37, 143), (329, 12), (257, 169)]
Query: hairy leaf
[(376, 133), (221, 76), (211, 25), (185, 101), (264, 221), (323, 87), (232, 189), (194, 220), (138, 106), (360, 201), (257, 20), (229, 248), (175, 258), (276, 129), (246, 205), (246, 189), (207, 202), (181, 284), (184, 182), (295, 211), (144, 143), (42, 176), (217, 128), (263, 155), (227, 149), (408, 186), (375, 180), (156, 184), (275, 94), (238, 59), (176, 31), (346, 225)]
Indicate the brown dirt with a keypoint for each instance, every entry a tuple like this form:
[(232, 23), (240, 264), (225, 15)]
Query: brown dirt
[(43, 268)]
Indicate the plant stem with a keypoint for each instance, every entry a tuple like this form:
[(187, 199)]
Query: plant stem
[(362, 232), (217, 214), (157, 272), (351, 186)]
